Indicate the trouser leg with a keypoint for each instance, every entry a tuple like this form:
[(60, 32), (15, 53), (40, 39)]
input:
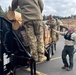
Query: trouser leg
[(70, 53), (34, 32), (39, 36), (32, 40), (40, 41), (64, 59)]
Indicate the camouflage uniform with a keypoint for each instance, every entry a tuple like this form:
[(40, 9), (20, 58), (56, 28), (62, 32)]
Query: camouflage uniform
[(31, 11), (34, 32), (57, 28), (59, 24), (53, 24)]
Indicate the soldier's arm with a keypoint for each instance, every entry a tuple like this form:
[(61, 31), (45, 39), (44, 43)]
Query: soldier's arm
[(14, 4), (61, 33), (41, 5)]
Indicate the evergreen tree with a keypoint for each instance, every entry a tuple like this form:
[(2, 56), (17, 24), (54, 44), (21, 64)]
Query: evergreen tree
[(1, 11)]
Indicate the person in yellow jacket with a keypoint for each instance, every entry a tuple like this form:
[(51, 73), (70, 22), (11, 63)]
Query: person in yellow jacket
[(31, 11)]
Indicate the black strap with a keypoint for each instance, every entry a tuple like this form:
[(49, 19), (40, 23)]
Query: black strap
[(67, 36)]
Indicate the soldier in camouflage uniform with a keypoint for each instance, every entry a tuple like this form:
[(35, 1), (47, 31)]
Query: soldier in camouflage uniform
[(60, 24), (31, 11), (53, 23)]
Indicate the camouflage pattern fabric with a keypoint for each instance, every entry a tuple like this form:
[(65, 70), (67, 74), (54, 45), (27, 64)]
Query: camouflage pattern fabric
[(53, 24), (34, 30), (58, 29), (59, 23), (25, 38)]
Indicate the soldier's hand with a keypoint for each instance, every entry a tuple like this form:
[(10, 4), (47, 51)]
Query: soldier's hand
[(53, 30)]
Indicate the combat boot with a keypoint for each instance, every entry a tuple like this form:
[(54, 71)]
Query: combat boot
[(35, 56), (42, 58), (36, 59)]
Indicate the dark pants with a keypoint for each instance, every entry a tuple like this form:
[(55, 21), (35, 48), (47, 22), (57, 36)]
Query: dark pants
[(68, 50)]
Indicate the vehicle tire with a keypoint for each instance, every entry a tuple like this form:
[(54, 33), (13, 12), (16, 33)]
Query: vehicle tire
[(49, 54), (55, 46), (52, 49)]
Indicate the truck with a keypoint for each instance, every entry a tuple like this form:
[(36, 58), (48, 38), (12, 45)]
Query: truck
[(14, 47), (48, 39)]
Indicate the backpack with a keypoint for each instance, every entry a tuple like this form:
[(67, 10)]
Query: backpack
[(67, 36)]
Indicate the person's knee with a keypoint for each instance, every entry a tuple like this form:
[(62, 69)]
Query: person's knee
[(63, 56)]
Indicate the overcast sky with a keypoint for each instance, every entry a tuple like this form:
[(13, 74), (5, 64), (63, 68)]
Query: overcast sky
[(53, 7)]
